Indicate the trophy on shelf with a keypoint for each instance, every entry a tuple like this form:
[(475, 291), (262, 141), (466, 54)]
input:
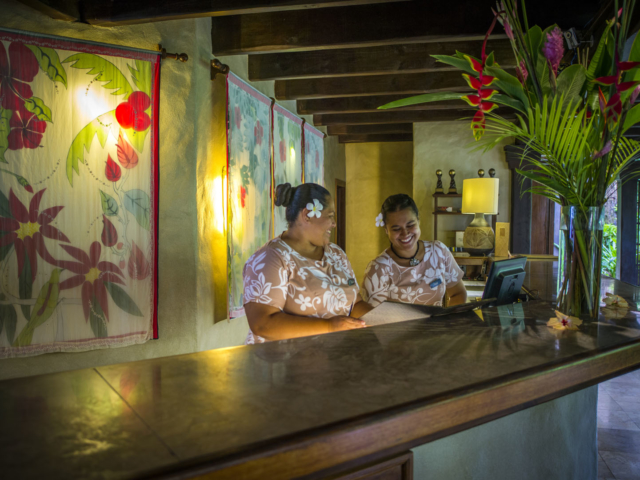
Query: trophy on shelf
[(439, 188), (452, 186)]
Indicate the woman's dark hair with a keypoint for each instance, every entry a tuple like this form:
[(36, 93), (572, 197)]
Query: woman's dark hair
[(398, 202), (295, 199)]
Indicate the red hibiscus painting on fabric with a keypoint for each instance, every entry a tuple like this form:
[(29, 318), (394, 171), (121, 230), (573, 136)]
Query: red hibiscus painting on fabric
[(25, 130), (27, 230), (131, 114), (91, 273), (243, 196), (16, 70), (283, 151), (139, 267), (258, 132), (112, 170)]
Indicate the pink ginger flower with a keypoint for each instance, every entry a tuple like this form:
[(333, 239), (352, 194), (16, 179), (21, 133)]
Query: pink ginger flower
[(522, 73), (553, 50)]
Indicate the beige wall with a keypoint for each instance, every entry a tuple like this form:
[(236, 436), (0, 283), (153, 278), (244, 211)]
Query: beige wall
[(448, 145), (374, 171), (191, 155)]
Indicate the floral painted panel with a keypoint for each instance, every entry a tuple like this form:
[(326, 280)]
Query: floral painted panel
[(249, 204), (313, 155), (287, 157), (78, 195)]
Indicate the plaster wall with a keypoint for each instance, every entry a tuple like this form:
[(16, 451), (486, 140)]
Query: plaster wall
[(192, 148), (445, 146), (555, 441), (374, 171)]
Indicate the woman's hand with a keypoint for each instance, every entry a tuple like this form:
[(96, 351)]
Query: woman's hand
[(340, 323)]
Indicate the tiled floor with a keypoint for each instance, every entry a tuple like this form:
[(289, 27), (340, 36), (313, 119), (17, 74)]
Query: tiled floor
[(619, 428)]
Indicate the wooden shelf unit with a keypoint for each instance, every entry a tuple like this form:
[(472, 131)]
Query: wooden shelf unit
[(436, 213)]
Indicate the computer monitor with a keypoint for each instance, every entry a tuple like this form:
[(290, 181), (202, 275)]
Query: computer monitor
[(505, 280)]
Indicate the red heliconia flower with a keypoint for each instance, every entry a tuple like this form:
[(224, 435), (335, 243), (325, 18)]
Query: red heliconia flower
[(26, 229), (613, 107), (478, 124), (25, 130), (91, 273), (109, 233), (16, 71), (258, 132), (139, 267)]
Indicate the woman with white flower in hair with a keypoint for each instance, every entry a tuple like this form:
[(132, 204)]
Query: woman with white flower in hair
[(300, 283), (411, 270)]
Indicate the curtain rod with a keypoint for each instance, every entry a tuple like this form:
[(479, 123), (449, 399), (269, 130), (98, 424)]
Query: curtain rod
[(218, 68), (183, 57)]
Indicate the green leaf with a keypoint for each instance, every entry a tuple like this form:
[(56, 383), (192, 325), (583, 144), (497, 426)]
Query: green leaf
[(25, 287), (459, 63), (535, 35), (50, 63), (633, 117), (509, 102), (38, 108), (601, 61), (5, 207), (571, 82), (5, 116), (46, 304), (425, 98), (97, 320), (9, 317), (137, 202), (122, 299), (109, 204), (84, 139), (508, 84), (542, 73), (141, 75), (103, 71)]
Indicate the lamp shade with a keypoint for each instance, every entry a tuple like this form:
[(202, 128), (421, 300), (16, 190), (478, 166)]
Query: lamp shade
[(480, 195)]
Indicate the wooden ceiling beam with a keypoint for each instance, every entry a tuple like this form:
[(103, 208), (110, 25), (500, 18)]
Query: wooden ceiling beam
[(394, 117), (418, 21), (372, 85), (406, 58), (367, 104), (370, 129), (112, 13), (368, 138), (66, 10)]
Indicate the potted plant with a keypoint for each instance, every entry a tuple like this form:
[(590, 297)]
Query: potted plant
[(571, 122)]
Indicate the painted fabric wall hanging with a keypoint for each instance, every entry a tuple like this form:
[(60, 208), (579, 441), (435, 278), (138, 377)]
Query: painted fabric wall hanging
[(249, 184), (287, 157), (313, 155), (78, 195)]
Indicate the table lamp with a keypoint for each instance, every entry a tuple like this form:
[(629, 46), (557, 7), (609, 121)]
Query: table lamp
[(479, 197)]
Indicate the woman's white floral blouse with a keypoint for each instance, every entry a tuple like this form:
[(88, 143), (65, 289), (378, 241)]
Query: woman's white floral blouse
[(278, 276), (425, 283)]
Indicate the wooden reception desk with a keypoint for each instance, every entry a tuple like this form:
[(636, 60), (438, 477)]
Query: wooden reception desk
[(314, 407)]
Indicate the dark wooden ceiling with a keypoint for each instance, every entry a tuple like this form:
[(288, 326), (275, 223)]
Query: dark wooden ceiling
[(341, 59)]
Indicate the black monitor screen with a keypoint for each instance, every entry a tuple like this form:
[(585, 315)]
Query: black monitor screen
[(505, 280)]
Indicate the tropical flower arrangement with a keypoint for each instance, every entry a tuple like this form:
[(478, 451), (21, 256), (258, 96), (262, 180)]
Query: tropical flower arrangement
[(570, 119)]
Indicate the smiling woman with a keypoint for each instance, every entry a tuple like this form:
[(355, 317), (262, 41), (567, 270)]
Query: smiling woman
[(300, 283), (411, 270)]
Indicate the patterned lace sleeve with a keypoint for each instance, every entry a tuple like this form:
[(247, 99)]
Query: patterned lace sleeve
[(375, 288), (265, 279), (452, 272)]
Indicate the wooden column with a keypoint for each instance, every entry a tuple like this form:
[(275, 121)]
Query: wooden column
[(520, 202), (628, 231)]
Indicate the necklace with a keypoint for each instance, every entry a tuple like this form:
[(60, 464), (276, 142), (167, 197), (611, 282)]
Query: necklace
[(413, 261)]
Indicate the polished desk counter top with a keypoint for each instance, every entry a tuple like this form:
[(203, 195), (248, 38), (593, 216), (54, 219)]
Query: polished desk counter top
[(306, 405)]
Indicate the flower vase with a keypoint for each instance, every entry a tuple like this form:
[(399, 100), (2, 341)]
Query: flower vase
[(579, 260)]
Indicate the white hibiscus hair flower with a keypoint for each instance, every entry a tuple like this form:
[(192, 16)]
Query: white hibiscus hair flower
[(379, 221), (314, 208)]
